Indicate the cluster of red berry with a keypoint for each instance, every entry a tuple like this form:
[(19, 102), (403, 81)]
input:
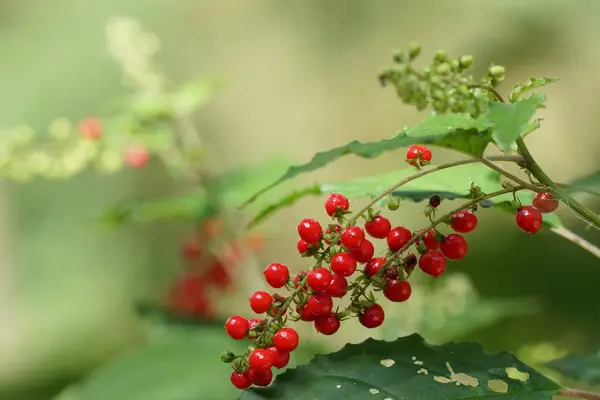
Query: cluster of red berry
[(529, 218), (135, 156)]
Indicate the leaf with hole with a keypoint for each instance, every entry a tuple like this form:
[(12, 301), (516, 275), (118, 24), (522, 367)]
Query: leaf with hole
[(582, 368), (409, 368)]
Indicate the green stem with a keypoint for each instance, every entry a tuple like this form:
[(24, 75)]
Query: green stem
[(580, 394), (543, 178)]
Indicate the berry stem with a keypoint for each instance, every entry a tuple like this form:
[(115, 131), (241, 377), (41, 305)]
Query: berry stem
[(579, 241), (510, 176), (580, 394)]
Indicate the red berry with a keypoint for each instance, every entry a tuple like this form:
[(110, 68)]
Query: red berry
[(219, 275), (304, 248), (375, 265), (545, 203), (336, 202), (305, 314), (191, 250), (240, 381), (337, 228), (378, 227), (337, 287), (343, 264), (277, 275), (237, 327), (454, 247), (280, 358), (310, 230), (410, 261), (435, 201), (260, 301), (372, 316), (364, 253), (261, 359), (398, 237), (464, 221), (299, 278), (253, 323), (327, 324), (433, 263), (418, 153), (260, 377), (353, 237), (397, 291), (90, 128), (318, 279), (136, 156), (320, 304), (286, 339), (529, 219), (430, 240)]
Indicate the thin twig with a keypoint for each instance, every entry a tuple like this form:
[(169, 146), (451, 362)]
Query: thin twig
[(580, 394), (578, 240), (510, 176), (575, 188)]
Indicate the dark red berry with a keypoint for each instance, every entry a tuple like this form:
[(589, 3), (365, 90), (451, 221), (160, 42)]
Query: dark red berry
[(364, 253), (431, 241), (337, 287), (372, 316), (397, 291), (305, 314), (454, 247), (545, 203), (237, 327), (260, 377), (336, 229), (390, 273), (433, 263), (375, 265), (310, 230), (327, 324), (318, 279), (320, 304), (240, 381), (304, 248), (335, 203), (464, 221), (418, 154), (253, 323), (260, 359), (435, 201), (410, 261), (353, 237), (280, 358), (286, 339), (398, 238), (529, 219), (343, 264), (378, 227), (299, 278), (277, 275), (260, 301)]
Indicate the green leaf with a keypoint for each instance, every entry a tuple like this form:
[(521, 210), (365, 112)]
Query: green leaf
[(582, 368), (408, 368), (183, 365), (532, 83), (510, 121), (589, 184), (283, 202), (456, 131)]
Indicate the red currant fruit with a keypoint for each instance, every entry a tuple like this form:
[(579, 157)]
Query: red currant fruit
[(372, 316), (90, 128), (327, 324), (397, 291), (435, 201), (310, 230), (398, 237), (260, 377), (375, 265), (299, 278), (378, 227), (454, 247), (318, 279), (320, 304), (430, 240), (364, 253), (240, 381), (343, 264), (418, 154), (432, 263), (253, 323), (304, 248), (305, 314), (237, 327), (353, 237), (336, 229), (337, 287), (464, 221), (136, 156), (260, 359), (280, 358), (336, 202), (545, 203), (277, 275), (286, 339), (260, 301), (390, 273), (529, 219), (410, 261)]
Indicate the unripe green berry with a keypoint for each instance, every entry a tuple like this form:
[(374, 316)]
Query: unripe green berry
[(227, 357), (414, 50), (440, 56), (465, 61), (497, 71), (444, 69)]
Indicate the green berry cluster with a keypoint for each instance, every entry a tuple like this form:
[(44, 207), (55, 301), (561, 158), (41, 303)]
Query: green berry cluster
[(444, 85)]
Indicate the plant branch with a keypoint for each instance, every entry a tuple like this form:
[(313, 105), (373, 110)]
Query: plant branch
[(490, 90), (575, 188), (578, 240), (580, 394), (510, 176)]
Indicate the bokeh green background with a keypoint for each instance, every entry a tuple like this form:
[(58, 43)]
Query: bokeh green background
[(300, 77)]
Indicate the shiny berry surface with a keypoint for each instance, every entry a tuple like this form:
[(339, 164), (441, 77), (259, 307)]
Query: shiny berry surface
[(375, 265), (336, 203), (545, 203), (378, 227), (433, 263), (310, 230), (397, 291), (418, 154), (454, 247), (320, 304), (318, 279), (529, 219), (343, 264), (260, 359), (327, 324), (364, 253), (337, 287), (353, 237), (237, 327), (464, 221), (240, 380), (398, 238), (260, 301), (286, 339), (372, 316), (277, 275), (260, 377)]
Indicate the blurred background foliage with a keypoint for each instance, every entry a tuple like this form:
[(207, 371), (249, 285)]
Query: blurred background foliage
[(298, 78)]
